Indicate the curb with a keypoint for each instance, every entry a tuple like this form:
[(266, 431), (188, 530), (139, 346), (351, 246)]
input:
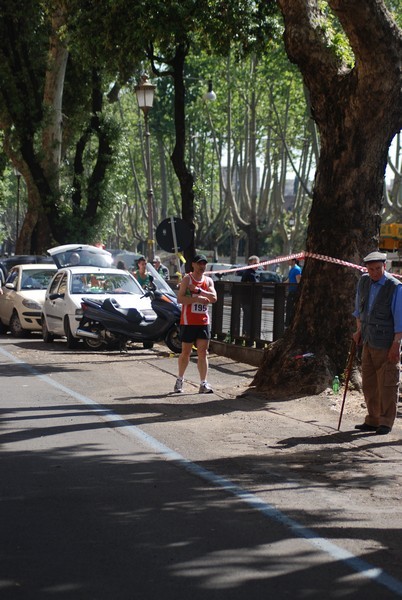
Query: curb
[(249, 356)]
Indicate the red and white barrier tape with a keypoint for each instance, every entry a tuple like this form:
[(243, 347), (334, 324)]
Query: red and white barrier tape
[(298, 256)]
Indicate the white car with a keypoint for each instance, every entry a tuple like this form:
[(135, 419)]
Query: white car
[(80, 254), (62, 306), (226, 272), (23, 296)]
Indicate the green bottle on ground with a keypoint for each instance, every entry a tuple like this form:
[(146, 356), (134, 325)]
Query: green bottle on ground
[(336, 384)]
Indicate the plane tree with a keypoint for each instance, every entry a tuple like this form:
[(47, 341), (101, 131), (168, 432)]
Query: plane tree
[(52, 127), (356, 103), (211, 26), (261, 137)]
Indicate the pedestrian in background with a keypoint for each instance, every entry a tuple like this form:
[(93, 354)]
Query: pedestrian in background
[(162, 270), (196, 293), (141, 274), (121, 265), (293, 277), (250, 274), (378, 313)]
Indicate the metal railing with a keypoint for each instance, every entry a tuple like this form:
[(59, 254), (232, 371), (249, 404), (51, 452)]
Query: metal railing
[(250, 314)]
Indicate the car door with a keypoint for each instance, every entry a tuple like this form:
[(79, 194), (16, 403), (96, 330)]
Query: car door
[(54, 304), (8, 296)]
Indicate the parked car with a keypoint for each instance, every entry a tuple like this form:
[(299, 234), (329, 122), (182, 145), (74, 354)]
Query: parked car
[(6, 263), (231, 276), (62, 306), (269, 277), (80, 254), (23, 296), (129, 259), (87, 255)]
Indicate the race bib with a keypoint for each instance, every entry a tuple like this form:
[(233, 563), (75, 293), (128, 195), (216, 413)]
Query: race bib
[(199, 308)]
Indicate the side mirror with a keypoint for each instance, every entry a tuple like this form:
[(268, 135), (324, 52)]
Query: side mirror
[(55, 296)]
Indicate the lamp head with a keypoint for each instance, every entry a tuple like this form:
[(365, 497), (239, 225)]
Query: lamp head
[(210, 94), (145, 93)]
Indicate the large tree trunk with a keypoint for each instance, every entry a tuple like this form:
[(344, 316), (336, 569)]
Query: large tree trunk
[(53, 97), (184, 175), (357, 111)]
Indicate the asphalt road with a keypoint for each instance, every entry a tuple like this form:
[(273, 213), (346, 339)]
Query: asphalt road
[(114, 488)]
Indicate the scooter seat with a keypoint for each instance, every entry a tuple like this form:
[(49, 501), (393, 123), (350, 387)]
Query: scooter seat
[(132, 315)]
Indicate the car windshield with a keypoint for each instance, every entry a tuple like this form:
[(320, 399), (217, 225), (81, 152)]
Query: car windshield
[(37, 279), (104, 283)]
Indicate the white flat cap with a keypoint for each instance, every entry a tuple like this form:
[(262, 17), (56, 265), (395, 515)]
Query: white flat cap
[(375, 257)]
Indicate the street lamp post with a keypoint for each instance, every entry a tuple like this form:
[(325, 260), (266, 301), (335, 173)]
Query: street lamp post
[(145, 92), (17, 219)]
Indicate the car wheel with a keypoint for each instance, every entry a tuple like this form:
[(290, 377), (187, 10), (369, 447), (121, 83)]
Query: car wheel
[(46, 335), (172, 340), (72, 342), (15, 326)]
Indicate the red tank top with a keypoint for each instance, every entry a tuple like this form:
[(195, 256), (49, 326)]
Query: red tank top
[(195, 314)]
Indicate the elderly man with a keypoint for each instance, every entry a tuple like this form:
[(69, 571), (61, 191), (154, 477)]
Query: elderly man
[(378, 312), (162, 270)]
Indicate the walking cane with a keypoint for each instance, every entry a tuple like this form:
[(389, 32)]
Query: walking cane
[(348, 372)]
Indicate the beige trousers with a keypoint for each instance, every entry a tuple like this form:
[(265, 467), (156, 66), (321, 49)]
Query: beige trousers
[(380, 386)]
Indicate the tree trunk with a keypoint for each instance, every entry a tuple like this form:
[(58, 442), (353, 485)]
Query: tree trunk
[(178, 158), (53, 97), (357, 111)]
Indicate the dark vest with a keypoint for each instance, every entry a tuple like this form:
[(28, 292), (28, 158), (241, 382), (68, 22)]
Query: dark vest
[(378, 325)]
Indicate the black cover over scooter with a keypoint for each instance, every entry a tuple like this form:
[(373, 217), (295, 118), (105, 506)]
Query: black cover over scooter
[(105, 322), (133, 315)]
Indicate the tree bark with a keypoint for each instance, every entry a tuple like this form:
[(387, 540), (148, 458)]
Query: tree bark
[(184, 175), (357, 111)]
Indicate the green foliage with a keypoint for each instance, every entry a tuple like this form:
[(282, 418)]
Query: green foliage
[(395, 8), (112, 39), (335, 36)]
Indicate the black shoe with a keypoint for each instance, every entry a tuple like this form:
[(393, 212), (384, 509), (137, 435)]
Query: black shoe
[(383, 430), (365, 427)]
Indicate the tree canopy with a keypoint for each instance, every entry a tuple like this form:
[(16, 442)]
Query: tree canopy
[(69, 125)]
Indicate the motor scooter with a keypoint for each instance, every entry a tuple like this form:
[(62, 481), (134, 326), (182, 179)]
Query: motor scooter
[(106, 323)]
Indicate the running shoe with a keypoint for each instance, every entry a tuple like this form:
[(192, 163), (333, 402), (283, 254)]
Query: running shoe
[(178, 386), (205, 388)]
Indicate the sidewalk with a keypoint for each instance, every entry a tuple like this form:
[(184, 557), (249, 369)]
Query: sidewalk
[(310, 419)]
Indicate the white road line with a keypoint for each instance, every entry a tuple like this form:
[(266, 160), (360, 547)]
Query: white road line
[(336, 552)]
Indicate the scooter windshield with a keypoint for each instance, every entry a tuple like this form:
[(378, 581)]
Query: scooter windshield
[(159, 282)]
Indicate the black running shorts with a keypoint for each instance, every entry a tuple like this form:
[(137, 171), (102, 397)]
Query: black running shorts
[(192, 333)]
